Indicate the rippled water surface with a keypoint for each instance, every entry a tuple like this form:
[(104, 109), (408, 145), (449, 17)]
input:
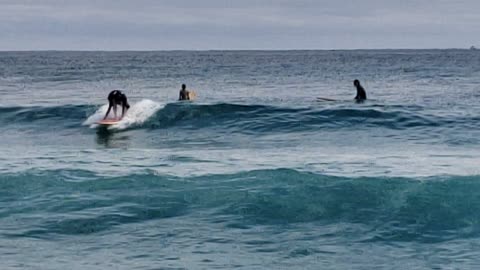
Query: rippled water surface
[(254, 174)]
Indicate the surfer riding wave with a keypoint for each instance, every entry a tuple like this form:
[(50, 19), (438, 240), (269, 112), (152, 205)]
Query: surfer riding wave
[(116, 97)]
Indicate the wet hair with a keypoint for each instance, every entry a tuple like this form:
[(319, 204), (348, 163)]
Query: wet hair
[(184, 86), (356, 82)]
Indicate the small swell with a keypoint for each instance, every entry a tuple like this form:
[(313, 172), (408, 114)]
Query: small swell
[(395, 209)]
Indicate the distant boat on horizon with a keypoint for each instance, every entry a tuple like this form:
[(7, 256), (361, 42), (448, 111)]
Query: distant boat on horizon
[(473, 48)]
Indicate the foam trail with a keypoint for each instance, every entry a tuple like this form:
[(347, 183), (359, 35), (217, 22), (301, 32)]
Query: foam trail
[(137, 114), (97, 116)]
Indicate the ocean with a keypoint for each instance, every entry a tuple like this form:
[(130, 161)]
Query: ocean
[(256, 173)]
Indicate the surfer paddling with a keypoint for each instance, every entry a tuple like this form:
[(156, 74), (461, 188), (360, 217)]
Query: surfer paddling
[(116, 97)]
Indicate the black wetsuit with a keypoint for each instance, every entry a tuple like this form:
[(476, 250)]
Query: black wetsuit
[(361, 94), (184, 95), (115, 98)]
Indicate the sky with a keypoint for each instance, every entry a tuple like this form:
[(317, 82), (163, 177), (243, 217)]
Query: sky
[(239, 24)]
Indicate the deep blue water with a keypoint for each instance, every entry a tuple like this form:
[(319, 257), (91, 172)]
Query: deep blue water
[(254, 174)]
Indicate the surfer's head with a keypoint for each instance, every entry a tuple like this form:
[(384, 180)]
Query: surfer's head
[(184, 86), (356, 83)]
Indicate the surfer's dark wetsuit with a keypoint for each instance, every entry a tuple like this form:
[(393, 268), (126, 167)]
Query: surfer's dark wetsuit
[(116, 97), (184, 94), (361, 94)]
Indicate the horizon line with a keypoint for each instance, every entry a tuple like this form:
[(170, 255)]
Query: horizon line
[(233, 50)]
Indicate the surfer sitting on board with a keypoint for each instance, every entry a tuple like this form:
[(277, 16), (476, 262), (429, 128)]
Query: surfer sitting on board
[(115, 98), (185, 94), (361, 94)]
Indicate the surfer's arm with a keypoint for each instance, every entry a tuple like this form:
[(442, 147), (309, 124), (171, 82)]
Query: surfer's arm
[(108, 111)]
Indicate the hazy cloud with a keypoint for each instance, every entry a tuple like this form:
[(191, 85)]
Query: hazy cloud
[(246, 24)]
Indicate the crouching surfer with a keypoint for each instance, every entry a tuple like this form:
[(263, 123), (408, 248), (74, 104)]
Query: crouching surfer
[(116, 97)]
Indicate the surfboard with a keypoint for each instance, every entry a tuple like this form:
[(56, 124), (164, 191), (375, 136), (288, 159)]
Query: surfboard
[(108, 122), (325, 99), (192, 95)]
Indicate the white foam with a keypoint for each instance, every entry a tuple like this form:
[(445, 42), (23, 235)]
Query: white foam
[(136, 115)]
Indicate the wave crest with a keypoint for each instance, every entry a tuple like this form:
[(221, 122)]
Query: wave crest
[(136, 116), (394, 209), (241, 118)]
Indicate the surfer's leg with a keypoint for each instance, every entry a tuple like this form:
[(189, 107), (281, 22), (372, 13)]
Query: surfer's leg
[(115, 110)]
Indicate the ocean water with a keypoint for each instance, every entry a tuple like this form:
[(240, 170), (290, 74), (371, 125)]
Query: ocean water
[(254, 174)]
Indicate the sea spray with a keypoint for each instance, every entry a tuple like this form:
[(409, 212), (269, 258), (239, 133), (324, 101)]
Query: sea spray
[(137, 114)]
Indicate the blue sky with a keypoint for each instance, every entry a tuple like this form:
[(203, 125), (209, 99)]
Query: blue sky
[(240, 24)]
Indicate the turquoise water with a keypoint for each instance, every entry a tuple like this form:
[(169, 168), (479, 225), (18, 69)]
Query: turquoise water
[(255, 174)]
